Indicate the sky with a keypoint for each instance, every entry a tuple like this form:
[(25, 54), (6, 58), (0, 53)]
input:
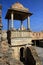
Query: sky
[(35, 6)]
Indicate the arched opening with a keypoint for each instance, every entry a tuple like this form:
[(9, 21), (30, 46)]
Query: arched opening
[(22, 59), (29, 59)]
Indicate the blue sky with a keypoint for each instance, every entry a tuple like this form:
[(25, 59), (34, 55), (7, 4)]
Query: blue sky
[(35, 6)]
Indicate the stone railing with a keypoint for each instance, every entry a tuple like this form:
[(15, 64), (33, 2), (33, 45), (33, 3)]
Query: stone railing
[(20, 34), (23, 34), (37, 35)]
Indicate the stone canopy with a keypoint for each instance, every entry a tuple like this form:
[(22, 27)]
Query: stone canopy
[(19, 11), (19, 6)]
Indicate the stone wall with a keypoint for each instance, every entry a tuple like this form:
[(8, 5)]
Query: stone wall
[(22, 34), (6, 57), (29, 54)]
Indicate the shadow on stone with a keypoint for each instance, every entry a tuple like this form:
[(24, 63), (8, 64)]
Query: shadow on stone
[(28, 60)]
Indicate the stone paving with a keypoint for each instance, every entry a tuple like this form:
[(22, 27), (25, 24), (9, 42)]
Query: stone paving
[(40, 53)]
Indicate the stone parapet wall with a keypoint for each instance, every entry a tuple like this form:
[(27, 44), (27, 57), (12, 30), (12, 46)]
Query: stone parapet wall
[(37, 35), (27, 34), (20, 34), (23, 34)]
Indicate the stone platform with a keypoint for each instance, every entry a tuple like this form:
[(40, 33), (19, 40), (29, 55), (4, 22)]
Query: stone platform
[(6, 55)]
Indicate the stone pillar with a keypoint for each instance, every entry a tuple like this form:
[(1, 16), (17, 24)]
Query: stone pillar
[(12, 20), (21, 25), (28, 22), (16, 53), (8, 25)]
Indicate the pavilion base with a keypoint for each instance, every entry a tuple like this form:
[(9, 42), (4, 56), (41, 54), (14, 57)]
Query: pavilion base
[(6, 58)]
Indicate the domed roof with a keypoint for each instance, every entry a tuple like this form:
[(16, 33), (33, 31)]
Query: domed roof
[(19, 6), (19, 12)]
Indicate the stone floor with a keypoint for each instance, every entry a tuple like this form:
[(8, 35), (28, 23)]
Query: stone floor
[(40, 53)]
